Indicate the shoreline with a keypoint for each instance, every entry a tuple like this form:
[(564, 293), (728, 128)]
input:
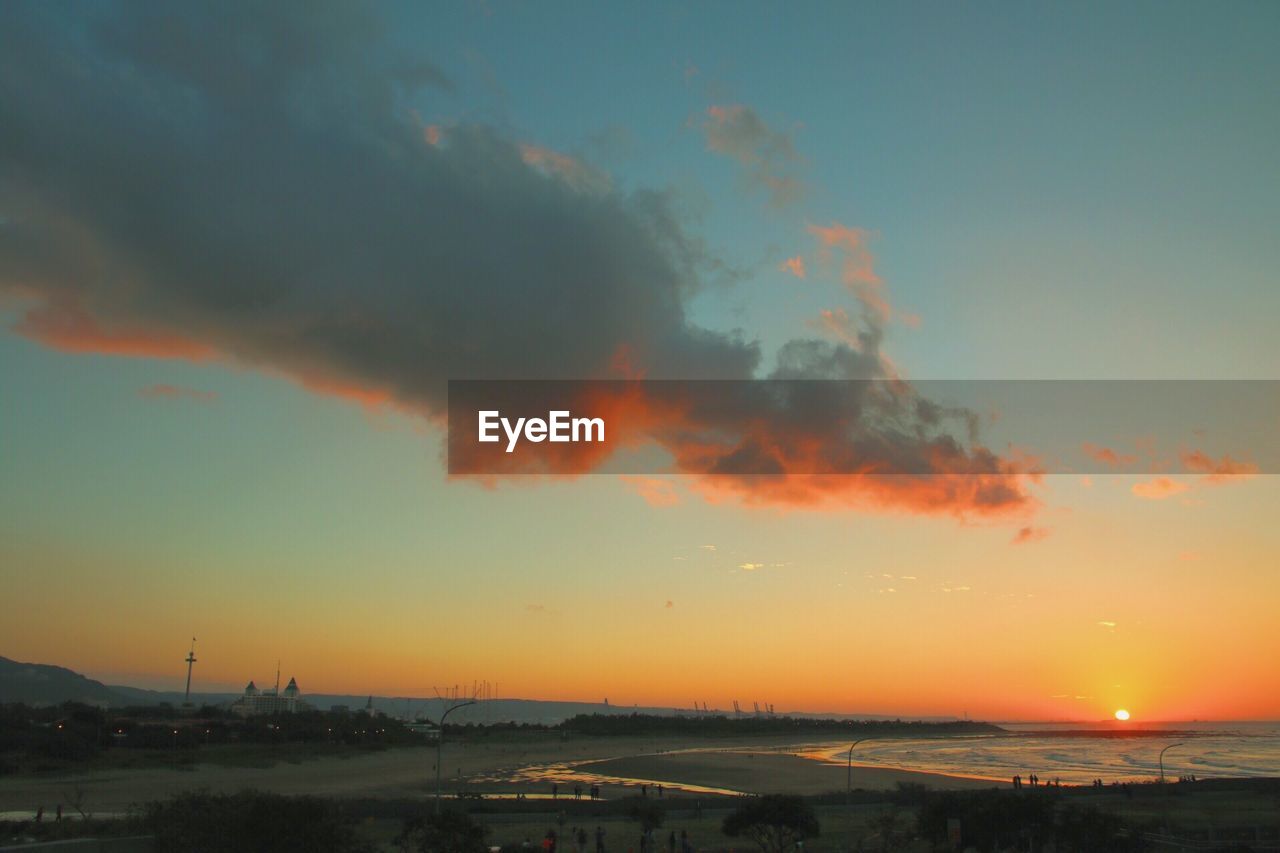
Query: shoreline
[(530, 767)]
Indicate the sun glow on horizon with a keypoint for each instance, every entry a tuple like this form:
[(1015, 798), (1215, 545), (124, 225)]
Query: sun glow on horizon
[(1122, 715)]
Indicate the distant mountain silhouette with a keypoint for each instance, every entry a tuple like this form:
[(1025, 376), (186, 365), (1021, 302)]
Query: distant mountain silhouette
[(45, 684)]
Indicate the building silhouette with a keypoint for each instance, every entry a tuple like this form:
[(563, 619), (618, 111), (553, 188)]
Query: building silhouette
[(269, 701)]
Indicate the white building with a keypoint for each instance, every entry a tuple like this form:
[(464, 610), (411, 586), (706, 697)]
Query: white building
[(255, 701)]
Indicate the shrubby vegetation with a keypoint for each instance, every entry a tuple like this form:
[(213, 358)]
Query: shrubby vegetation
[(251, 822), (51, 737), (1001, 819), (776, 822), (449, 831)]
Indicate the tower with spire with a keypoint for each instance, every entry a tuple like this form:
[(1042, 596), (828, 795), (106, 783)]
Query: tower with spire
[(191, 659)]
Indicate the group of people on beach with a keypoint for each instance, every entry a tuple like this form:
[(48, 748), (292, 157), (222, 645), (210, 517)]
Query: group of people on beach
[(1034, 781), (593, 792)]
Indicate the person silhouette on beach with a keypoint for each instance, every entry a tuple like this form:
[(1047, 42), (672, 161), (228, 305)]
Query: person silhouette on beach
[(599, 839)]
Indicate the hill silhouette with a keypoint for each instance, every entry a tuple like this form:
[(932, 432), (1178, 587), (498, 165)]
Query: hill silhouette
[(46, 684)]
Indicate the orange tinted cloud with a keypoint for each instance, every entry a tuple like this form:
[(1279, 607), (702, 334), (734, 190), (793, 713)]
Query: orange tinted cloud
[(655, 491), (767, 156), (961, 496), (163, 391), (572, 171), (1107, 456), (837, 323), (69, 328), (1217, 470), (748, 444), (1029, 534), (326, 386), (794, 266), (1159, 488), (857, 265)]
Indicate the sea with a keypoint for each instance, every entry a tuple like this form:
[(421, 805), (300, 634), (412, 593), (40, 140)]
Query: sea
[(1078, 753)]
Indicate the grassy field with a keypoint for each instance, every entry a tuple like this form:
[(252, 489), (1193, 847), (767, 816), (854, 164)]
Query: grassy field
[(1185, 810), (842, 829)]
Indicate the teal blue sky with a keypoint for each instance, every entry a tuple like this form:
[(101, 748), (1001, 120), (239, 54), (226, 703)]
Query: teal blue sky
[(1060, 190)]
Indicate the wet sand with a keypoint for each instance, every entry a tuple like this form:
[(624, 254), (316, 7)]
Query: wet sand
[(527, 766), (766, 773)]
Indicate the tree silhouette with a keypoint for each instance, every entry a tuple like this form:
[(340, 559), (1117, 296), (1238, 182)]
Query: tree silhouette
[(647, 813), (775, 822), (446, 832)]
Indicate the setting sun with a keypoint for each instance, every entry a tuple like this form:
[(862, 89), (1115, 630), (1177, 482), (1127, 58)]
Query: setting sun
[(1122, 715)]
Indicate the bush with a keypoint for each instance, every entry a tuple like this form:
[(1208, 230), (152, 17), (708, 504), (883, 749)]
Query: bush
[(775, 822), (250, 822), (645, 812), (447, 832)]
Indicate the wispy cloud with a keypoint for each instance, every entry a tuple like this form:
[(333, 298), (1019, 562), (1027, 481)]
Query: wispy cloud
[(793, 266), (1030, 534), (655, 491), (1217, 471), (1159, 488), (571, 170), (1107, 455), (767, 156), (848, 249), (176, 392)]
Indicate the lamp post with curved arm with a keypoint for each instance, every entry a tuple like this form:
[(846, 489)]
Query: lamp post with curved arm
[(440, 745), (848, 781), (1162, 752)]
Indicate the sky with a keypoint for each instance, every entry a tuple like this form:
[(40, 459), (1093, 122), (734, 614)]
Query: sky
[(243, 247)]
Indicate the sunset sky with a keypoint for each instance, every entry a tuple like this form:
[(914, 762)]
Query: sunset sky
[(241, 250)]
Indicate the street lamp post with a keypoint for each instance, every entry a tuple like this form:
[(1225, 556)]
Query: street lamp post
[(848, 781), (1162, 752), (440, 745)]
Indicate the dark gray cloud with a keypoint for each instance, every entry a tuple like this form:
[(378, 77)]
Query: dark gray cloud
[(249, 182), (252, 182)]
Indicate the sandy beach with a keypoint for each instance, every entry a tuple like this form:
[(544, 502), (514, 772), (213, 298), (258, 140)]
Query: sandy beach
[(527, 766)]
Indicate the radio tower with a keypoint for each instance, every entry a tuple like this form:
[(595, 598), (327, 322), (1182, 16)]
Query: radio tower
[(191, 659)]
